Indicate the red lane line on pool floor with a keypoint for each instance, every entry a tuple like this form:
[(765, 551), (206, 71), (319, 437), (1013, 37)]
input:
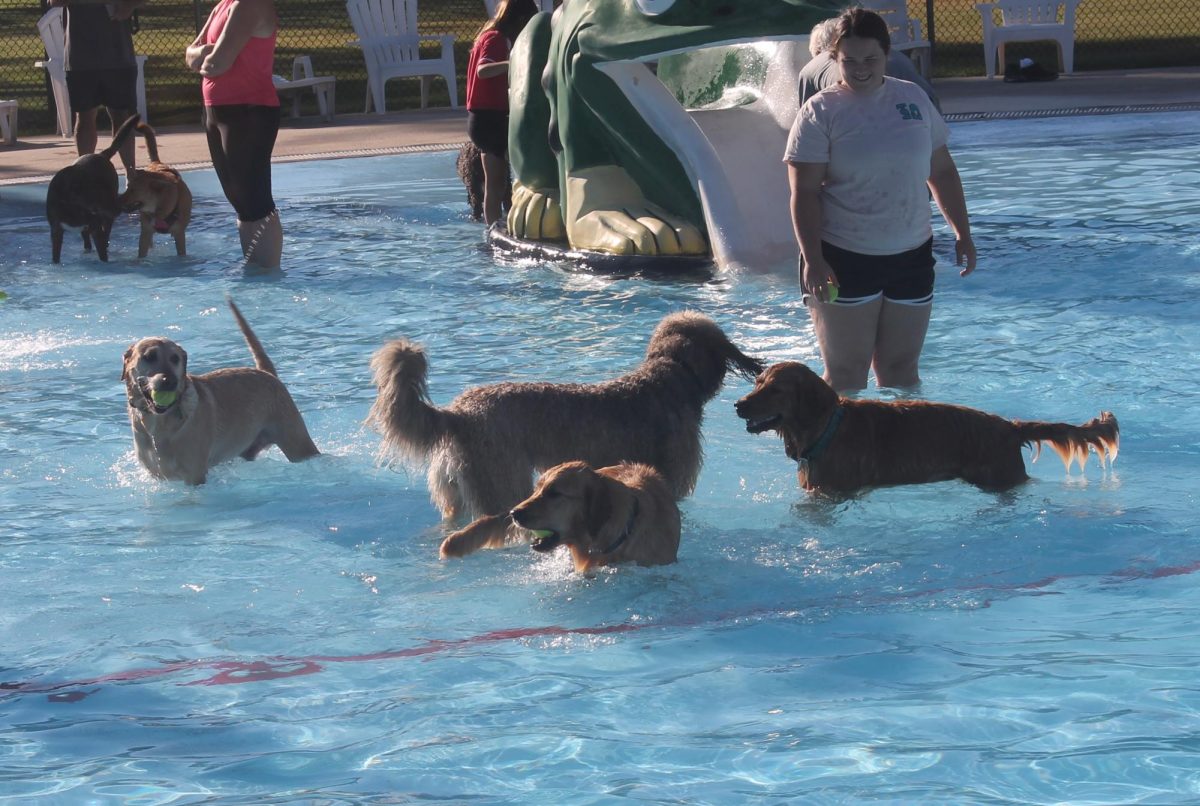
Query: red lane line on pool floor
[(229, 672)]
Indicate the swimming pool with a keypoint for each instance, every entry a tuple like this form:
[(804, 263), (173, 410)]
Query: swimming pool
[(287, 633)]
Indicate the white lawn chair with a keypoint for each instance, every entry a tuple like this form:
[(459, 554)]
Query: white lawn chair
[(302, 78), (391, 45), (1028, 21), (906, 33), (54, 39)]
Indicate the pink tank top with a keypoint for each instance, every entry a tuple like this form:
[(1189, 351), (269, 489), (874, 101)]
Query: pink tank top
[(249, 80)]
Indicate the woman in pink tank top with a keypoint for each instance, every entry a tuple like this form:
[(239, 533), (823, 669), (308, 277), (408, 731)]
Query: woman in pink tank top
[(235, 55)]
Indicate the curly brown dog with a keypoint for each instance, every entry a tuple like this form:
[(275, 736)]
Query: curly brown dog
[(161, 197), (619, 514), (843, 445), (184, 424), (484, 448), (470, 170)]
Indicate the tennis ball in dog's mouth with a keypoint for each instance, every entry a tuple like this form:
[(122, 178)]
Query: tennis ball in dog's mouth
[(542, 534), (162, 398)]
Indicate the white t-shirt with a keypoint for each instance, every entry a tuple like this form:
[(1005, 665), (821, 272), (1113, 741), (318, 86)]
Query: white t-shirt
[(878, 146)]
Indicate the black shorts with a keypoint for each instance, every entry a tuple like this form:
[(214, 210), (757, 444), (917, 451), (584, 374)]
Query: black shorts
[(488, 130), (905, 277), (114, 88), (241, 138)]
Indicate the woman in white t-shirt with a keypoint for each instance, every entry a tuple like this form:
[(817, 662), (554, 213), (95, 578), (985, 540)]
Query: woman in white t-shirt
[(860, 157)]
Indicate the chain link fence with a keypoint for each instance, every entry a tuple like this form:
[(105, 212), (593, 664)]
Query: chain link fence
[(1110, 34)]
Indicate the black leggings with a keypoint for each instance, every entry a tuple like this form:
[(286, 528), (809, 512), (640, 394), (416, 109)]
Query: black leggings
[(241, 138)]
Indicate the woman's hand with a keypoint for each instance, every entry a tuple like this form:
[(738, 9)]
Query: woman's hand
[(964, 254), (817, 278), (195, 55), (213, 65)]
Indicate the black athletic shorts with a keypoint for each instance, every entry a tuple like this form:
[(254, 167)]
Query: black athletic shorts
[(488, 130), (906, 277), (115, 88), (241, 138)]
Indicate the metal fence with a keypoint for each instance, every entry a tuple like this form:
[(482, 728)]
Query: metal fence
[(1109, 34)]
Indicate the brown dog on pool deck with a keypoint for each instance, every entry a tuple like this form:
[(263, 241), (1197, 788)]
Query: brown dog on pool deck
[(484, 448), (843, 445), (185, 424), (619, 514), (161, 198), (83, 197)]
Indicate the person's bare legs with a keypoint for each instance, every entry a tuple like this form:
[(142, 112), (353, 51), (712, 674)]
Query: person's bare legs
[(128, 150), (495, 175), (846, 336), (262, 240), (898, 342), (85, 131)]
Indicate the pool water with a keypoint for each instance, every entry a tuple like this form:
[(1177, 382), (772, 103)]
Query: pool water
[(287, 632)]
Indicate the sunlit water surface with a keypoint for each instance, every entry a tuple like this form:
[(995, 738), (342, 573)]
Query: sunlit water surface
[(287, 632)]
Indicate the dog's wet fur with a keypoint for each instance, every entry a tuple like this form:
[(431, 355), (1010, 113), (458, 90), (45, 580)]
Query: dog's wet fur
[(160, 197), (878, 442), (83, 196), (212, 418), (484, 448)]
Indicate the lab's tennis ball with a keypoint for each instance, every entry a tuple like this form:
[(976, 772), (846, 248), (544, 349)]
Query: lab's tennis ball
[(162, 398), (542, 534)]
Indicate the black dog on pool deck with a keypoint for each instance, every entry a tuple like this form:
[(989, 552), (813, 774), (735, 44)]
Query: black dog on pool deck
[(470, 171), (83, 196)]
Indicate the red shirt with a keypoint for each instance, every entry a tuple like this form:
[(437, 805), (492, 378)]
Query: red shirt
[(248, 81), (487, 93)]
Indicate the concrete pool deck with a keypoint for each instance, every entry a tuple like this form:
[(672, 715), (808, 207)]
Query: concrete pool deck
[(35, 158)]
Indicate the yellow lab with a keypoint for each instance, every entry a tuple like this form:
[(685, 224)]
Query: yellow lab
[(185, 424)]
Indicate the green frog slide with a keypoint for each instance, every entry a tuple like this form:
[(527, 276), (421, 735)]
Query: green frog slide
[(607, 161)]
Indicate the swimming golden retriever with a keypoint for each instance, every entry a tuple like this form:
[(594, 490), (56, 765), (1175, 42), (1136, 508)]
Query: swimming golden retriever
[(185, 424), (484, 448), (844, 445), (605, 516)]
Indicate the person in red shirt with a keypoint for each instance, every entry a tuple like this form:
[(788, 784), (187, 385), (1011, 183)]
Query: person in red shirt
[(487, 97), (234, 53)]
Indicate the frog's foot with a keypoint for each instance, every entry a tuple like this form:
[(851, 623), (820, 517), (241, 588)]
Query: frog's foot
[(535, 214), (608, 213), (637, 230)]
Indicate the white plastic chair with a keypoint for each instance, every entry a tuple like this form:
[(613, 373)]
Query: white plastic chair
[(54, 39), (8, 121), (1028, 21), (906, 32), (302, 78), (391, 45)]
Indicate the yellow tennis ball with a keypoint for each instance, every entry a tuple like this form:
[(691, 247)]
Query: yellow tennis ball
[(542, 533), (162, 398), (832, 291)]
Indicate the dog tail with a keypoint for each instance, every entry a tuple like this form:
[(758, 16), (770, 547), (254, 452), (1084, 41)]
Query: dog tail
[(1073, 442), (411, 426), (256, 349), (151, 141), (747, 366), (121, 136)]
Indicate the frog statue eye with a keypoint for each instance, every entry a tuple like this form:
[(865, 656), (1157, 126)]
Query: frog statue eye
[(654, 7)]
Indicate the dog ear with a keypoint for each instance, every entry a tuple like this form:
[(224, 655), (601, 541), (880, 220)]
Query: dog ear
[(597, 505), (183, 369), (125, 363)]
